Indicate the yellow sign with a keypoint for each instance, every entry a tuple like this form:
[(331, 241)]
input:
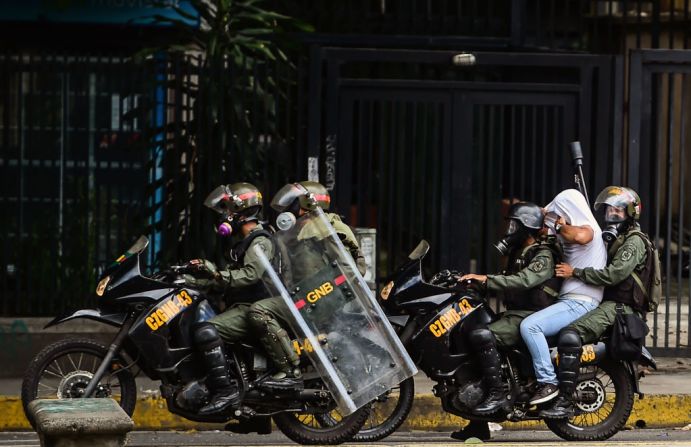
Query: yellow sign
[(320, 292), (450, 318), (168, 310)]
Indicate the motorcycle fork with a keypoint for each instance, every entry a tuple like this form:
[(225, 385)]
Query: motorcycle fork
[(113, 349)]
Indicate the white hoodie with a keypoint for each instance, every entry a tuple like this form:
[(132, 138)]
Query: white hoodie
[(572, 206)]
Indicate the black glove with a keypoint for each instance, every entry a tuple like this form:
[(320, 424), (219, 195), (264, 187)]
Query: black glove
[(446, 278)]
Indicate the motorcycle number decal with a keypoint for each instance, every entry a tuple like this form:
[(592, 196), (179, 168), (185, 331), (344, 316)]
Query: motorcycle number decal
[(168, 310), (306, 344), (588, 354), (450, 318)]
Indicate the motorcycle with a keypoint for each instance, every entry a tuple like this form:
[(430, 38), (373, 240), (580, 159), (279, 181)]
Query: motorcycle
[(155, 315), (433, 320)]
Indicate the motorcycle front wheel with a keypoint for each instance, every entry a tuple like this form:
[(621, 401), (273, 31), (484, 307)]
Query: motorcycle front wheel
[(604, 403), (63, 370), (308, 429), (388, 412)]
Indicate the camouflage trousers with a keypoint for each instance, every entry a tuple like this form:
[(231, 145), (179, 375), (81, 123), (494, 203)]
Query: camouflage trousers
[(592, 325), (266, 320), (507, 329)]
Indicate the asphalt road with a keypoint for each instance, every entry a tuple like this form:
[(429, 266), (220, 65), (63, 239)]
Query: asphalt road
[(648, 437)]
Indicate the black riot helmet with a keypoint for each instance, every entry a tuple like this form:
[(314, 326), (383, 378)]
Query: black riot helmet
[(525, 219), (621, 207), (237, 204), (304, 195)]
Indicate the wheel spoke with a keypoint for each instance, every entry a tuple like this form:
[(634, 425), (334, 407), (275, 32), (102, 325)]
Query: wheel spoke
[(74, 365), (52, 373)]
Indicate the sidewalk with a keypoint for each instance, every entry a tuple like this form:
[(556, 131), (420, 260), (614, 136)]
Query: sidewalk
[(667, 403)]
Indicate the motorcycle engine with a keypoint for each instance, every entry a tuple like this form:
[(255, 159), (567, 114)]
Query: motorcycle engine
[(192, 396), (469, 395)]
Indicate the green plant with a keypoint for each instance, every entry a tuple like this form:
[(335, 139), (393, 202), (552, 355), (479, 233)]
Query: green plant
[(224, 79)]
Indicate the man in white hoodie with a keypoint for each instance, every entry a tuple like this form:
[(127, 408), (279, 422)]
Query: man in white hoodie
[(569, 216)]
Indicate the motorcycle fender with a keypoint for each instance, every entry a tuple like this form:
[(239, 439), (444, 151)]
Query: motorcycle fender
[(647, 359), (398, 320), (90, 314)]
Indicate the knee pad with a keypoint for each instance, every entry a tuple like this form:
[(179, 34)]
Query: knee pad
[(482, 337), (569, 341), (206, 336)]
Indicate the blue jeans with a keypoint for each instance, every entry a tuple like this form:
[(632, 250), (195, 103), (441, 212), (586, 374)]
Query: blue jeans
[(549, 321)]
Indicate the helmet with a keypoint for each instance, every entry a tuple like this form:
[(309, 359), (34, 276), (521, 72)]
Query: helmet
[(620, 197), (243, 199), (306, 195), (524, 218), (529, 214)]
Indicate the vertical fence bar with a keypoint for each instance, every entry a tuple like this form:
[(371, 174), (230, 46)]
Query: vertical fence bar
[(680, 217), (669, 199)]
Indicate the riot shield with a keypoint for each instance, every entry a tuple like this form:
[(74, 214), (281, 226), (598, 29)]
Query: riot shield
[(346, 334)]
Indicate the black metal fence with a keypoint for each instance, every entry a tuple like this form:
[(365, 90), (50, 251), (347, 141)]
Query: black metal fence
[(96, 150), (659, 167)]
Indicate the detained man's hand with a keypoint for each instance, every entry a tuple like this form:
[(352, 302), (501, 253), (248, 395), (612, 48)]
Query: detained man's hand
[(564, 271)]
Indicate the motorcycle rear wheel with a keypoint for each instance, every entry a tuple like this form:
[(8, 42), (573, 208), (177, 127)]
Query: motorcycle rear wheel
[(603, 415), (63, 369), (306, 428)]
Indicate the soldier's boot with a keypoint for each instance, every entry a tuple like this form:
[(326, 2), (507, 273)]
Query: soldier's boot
[(279, 349), (224, 394), (474, 429), (569, 348), (490, 361)]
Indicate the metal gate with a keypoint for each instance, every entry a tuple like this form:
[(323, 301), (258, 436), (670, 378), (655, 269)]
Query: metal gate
[(437, 152), (659, 168), (72, 182)]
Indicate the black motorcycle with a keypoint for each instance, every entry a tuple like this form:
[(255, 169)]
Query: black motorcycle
[(433, 320), (155, 316)]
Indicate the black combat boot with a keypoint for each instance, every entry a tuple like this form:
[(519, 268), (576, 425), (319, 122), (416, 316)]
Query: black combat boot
[(474, 429), (223, 393), (490, 360), (280, 350), (569, 363)]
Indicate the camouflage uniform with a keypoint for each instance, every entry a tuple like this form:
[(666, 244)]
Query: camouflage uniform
[(627, 254), (538, 259), (241, 281), (345, 233)]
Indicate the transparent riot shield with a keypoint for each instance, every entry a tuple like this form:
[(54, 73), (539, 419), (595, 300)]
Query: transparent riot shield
[(346, 334)]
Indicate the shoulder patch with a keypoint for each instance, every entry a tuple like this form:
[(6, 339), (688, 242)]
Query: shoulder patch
[(537, 265), (627, 253)]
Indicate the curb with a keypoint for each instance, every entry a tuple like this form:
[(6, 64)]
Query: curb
[(661, 410)]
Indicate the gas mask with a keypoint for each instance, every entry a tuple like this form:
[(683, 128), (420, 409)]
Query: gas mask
[(514, 236), (615, 221), (228, 226)]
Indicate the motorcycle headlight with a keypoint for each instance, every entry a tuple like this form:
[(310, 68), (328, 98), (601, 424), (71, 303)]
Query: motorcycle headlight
[(101, 287), (384, 294)]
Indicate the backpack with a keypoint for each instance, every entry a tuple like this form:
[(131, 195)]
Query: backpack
[(652, 291)]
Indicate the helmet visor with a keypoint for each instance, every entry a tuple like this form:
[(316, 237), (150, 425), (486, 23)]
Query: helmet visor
[(217, 200), (614, 196), (513, 227), (285, 197), (614, 214)]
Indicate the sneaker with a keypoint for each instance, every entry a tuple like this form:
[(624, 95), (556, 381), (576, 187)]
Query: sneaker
[(544, 393)]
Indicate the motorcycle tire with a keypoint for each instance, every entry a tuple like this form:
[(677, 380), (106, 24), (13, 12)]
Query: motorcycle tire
[(71, 363), (617, 379), (305, 428), (385, 417)]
